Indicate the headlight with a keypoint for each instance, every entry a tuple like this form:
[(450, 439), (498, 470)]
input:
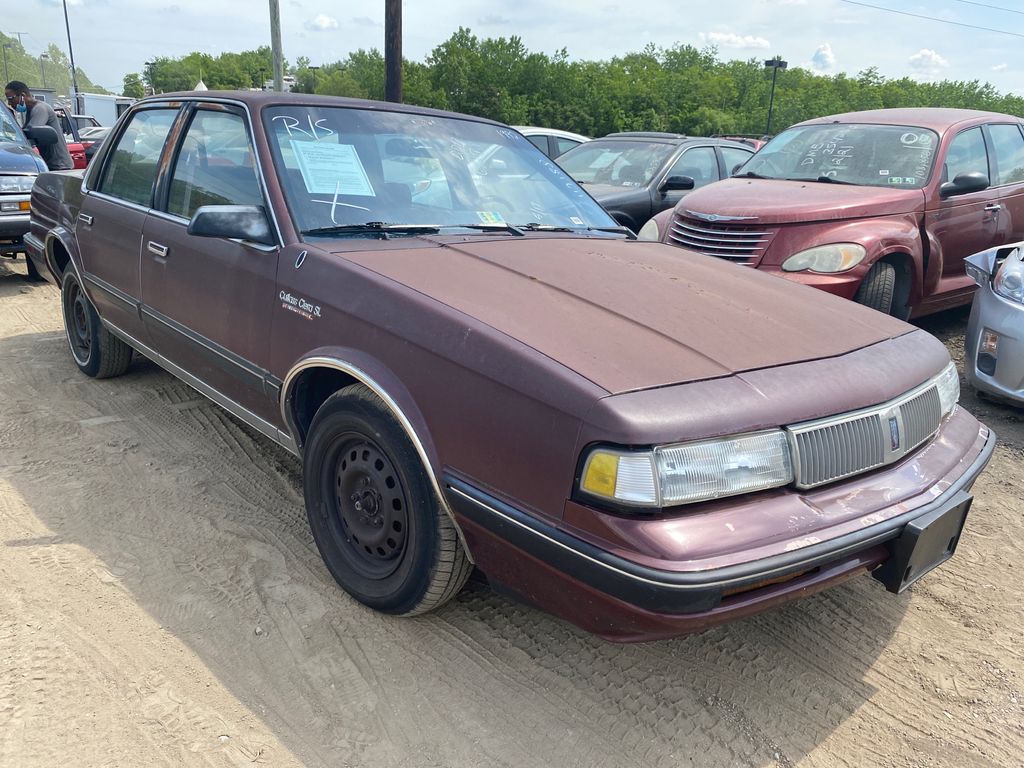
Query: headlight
[(689, 472), (837, 257), (948, 384), (1009, 281), (21, 184), (649, 231)]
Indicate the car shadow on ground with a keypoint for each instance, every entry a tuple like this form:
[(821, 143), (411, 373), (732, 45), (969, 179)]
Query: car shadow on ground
[(202, 521)]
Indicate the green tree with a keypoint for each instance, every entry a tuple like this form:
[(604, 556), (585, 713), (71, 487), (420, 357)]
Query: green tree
[(133, 87)]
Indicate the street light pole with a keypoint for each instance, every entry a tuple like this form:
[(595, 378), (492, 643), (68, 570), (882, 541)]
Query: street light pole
[(71, 54), (393, 50), (42, 69), (7, 77), (776, 64), (151, 66)]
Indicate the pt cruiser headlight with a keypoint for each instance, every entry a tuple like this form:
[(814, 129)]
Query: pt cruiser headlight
[(684, 473), (22, 184), (837, 257), (649, 231)]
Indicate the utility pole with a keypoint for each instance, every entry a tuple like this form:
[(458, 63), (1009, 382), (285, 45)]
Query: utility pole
[(42, 69), (313, 69), (393, 50), (775, 64), (275, 44), (71, 55), (7, 77)]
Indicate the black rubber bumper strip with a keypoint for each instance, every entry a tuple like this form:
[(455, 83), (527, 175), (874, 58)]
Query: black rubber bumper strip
[(668, 591)]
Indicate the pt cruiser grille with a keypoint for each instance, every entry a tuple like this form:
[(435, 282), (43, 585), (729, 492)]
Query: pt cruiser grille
[(740, 243), (841, 446)]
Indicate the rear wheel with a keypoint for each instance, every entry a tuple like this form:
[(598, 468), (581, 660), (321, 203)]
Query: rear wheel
[(374, 515), (878, 288), (97, 352)]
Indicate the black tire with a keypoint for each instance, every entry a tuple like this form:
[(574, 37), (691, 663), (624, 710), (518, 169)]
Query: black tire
[(878, 288), (33, 273), (374, 515), (97, 352)]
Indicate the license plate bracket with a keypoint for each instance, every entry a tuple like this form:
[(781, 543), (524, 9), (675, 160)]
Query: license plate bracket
[(925, 543)]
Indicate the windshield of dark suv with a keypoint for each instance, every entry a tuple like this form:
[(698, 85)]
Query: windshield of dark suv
[(617, 163), (361, 172), (868, 155), (9, 130)]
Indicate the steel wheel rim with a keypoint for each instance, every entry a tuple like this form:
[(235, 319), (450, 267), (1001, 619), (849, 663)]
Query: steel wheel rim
[(78, 326), (370, 515)]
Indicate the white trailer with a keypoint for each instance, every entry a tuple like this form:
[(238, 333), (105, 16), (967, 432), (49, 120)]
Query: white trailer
[(106, 108)]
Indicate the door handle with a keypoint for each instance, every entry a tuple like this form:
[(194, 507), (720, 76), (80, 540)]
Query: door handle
[(156, 249), (993, 207), (85, 218)]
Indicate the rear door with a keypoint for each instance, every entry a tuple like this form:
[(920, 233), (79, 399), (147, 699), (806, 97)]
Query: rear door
[(207, 301), (113, 213)]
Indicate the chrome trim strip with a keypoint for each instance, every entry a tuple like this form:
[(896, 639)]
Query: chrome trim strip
[(403, 420), (261, 425), (713, 217), (679, 222), (112, 291)]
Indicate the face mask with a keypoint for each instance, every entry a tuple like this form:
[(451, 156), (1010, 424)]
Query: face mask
[(21, 108)]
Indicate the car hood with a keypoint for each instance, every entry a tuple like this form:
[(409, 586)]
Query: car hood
[(634, 315), (776, 201), (18, 158)]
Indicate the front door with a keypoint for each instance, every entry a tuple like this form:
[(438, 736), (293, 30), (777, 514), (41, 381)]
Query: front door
[(207, 301), (111, 219)]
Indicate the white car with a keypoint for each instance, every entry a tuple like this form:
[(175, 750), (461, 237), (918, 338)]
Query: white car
[(551, 141)]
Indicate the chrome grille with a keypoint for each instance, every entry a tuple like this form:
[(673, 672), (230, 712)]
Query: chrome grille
[(841, 446), (740, 243)]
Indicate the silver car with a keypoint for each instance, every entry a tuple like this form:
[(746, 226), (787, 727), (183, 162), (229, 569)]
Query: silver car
[(994, 360)]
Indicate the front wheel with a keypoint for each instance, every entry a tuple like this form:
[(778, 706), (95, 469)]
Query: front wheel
[(374, 515), (878, 288), (97, 352)]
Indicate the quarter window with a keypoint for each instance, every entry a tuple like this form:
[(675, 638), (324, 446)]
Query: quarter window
[(215, 165), (734, 158), (132, 166), (1008, 145), (564, 145), (966, 154), (699, 163), (540, 142)]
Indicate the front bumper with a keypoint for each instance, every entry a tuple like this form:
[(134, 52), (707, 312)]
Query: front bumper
[(1005, 318), (844, 284), (625, 599)]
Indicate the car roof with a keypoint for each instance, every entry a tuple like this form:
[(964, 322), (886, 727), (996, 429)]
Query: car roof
[(260, 99), (938, 119), (533, 130), (674, 139)]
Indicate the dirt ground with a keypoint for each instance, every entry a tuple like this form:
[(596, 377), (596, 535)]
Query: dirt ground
[(162, 604)]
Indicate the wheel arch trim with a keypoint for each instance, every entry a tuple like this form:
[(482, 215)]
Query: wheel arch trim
[(62, 236), (363, 377)]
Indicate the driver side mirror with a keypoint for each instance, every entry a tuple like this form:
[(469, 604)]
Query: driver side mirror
[(975, 181), (236, 222), (43, 135), (677, 183)]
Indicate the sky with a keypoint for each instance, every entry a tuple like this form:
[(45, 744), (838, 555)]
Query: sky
[(114, 37)]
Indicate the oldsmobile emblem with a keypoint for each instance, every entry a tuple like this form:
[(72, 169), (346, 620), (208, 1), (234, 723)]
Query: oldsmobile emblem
[(894, 434), (717, 217)]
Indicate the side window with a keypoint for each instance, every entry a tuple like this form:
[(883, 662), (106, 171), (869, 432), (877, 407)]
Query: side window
[(215, 165), (540, 142), (132, 166), (699, 163), (966, 154), (733, 157), (1008, 144), (564, 145)]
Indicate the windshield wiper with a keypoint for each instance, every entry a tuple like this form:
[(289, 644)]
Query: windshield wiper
[(828, 180), (375, 227), (495, 227), (534, 227)]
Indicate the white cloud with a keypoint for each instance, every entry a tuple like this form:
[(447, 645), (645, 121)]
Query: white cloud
[(732, 40), (1000, 67), (927, 61), (823, 59), (322, 22)]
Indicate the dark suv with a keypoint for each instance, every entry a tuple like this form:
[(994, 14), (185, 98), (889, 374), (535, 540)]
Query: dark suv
[(636, 175)]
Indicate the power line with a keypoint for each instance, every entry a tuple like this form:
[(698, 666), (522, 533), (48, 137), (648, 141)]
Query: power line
[(932, 18), (993, 7)]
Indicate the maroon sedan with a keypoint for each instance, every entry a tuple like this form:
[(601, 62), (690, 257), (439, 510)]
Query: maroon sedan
[(477, 366)]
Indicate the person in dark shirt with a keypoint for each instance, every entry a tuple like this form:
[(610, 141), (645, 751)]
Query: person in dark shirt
[(35, 112)]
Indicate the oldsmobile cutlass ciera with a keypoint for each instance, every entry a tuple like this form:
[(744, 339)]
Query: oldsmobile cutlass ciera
[(476, 365)]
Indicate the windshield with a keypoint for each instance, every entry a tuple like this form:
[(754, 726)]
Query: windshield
[(869, 155), (9, 130), (342, 167), (616, 163)]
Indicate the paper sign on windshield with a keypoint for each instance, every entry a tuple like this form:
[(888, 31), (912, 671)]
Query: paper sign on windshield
[(331, 169)]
